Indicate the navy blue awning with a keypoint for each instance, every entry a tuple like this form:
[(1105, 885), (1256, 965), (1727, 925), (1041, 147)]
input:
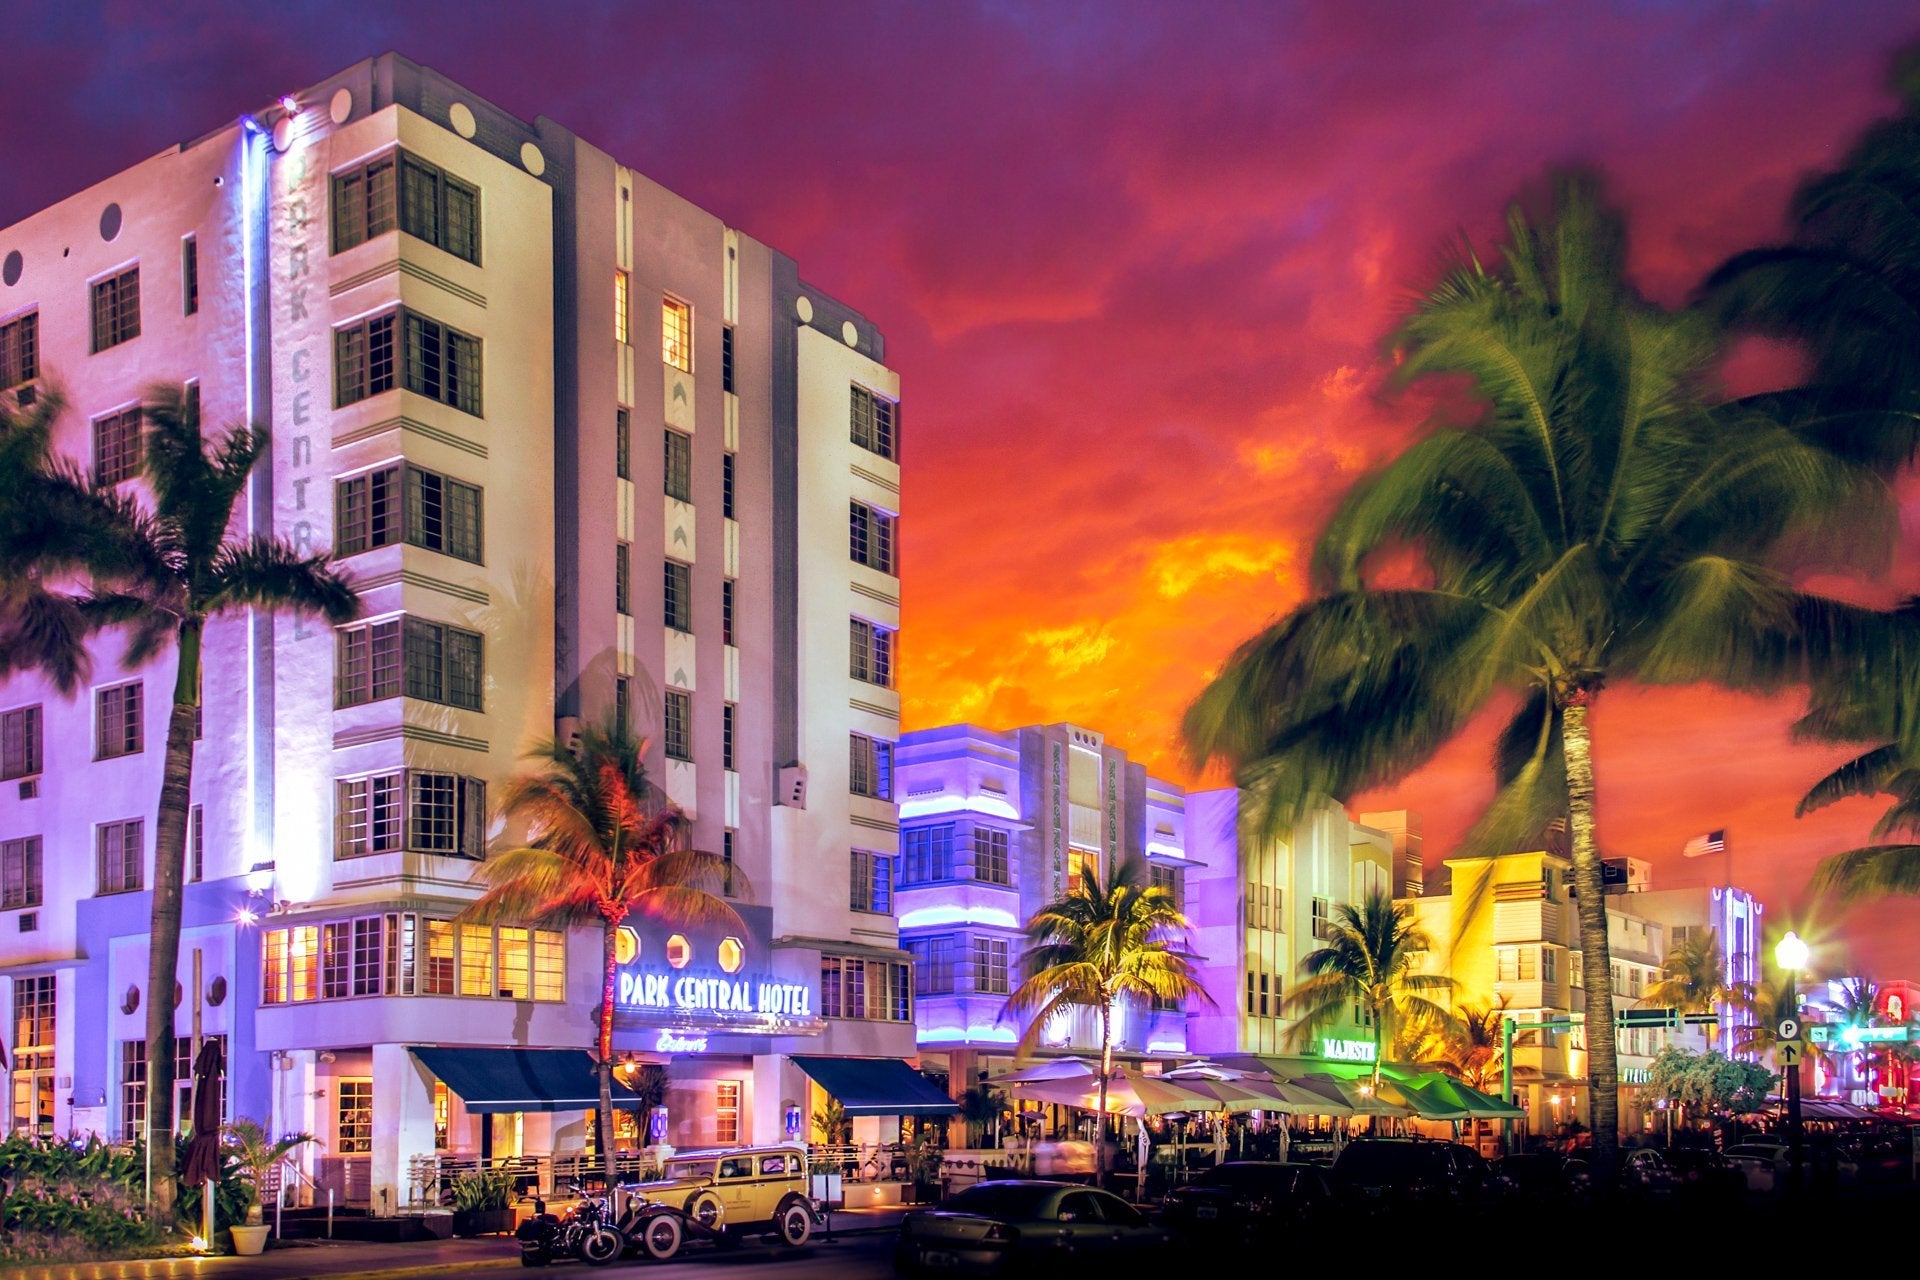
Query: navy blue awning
[(492, 1081), (877, 1087)]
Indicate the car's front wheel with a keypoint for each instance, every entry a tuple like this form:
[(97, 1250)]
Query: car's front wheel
[(796, 1225), (661, 1237)]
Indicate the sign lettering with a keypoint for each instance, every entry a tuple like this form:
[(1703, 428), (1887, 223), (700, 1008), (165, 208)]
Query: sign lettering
[(1348, 1050), (643, 989)]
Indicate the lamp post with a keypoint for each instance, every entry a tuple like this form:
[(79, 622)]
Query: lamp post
[(1791, 955)]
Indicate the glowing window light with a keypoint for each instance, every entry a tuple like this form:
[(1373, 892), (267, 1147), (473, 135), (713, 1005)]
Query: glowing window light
[(950, 913), (989, 805)]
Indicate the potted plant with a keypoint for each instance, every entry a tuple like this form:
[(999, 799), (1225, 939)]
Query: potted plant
[(257, 1155), (482, 1203)]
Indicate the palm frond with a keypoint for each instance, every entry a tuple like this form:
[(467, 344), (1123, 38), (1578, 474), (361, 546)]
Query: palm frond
[(268, 573), (1874, 871)]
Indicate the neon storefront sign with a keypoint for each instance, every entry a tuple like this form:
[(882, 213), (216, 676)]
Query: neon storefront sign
[(1349, 1050), (691, 993)]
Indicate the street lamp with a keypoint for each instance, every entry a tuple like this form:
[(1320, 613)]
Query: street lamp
[(1791, 955)]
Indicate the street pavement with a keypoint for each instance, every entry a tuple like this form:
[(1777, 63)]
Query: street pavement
[(861, 1246)]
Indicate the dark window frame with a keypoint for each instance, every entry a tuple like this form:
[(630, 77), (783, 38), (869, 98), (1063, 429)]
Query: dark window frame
[(116, 308)]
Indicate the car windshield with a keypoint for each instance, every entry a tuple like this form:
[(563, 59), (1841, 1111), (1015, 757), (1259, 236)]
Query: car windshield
[(1247, 1177), (1013, 1202)]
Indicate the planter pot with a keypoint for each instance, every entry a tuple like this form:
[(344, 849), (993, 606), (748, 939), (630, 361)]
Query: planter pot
[(482, 1222), (249, 1241)]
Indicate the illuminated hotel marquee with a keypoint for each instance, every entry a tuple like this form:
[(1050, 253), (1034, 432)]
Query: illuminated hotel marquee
[(696, 993), (677, 989)]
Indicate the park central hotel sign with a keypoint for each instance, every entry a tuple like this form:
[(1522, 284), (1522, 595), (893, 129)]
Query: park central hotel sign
[(699, 980)]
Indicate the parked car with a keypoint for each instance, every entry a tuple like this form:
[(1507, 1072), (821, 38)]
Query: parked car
[(722, 1195), (1543, 1178), (1879, 1157), (1007, 1227), (1704, 1175), (1820, 1161), (1645, 1173), (1243, 1198), (1384, 1173), (1763, 1167)]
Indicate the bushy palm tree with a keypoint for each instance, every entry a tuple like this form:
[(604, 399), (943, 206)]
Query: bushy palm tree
[(1103, 943), (1370, 963), (1470, 1046), (1766, 1002), (1605, 519), (160, 575), (604, 844), (1693, 978)]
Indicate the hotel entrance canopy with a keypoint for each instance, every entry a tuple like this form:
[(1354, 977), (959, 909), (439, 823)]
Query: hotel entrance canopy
[(877, 1086), (496, 1081)]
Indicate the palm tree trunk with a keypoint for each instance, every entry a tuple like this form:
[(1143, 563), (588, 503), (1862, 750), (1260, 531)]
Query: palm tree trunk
[(603, 1118), (163, 930), (1106, 1069), (1603, 1068), (1379, 1045)]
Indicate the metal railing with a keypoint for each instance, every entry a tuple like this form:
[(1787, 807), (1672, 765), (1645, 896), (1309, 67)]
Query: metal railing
[(861, 1161), (280, 1172)]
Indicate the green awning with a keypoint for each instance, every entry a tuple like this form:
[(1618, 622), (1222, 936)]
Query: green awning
[(877, 1086), (492, 1081)]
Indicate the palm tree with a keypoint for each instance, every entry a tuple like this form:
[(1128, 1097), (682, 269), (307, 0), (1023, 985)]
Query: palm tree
[(1369, 964), (161, 575), (1469, 1046), (1692, 978), (1101, 944), (1766, 1002), (1605, 520), (605, 843)]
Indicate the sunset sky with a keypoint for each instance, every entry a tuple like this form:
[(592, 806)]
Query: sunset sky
[(1134, 263)]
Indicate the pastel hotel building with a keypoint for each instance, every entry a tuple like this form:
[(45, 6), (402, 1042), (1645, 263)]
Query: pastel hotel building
[(587, 451)]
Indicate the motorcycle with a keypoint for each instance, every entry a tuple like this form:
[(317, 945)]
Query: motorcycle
[(585, 1232)]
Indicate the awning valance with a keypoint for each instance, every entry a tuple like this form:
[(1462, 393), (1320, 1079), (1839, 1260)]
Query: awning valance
[(493, 1081), (877, 1086)]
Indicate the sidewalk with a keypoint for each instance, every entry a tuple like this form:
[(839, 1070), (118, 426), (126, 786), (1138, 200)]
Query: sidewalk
[(301, 1259)]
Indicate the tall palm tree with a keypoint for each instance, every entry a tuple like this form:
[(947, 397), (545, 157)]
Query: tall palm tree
[(1370, 963), (1766, 1002), (1605, 519), (604, 844), (1693, 978), (163, 573), (1103, 943), (1470, 1046)]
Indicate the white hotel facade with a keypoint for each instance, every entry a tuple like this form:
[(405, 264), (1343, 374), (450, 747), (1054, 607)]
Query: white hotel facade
[(586, 450)]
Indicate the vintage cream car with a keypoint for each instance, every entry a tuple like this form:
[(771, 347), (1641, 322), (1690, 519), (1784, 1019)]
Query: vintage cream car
[(722, 1195)]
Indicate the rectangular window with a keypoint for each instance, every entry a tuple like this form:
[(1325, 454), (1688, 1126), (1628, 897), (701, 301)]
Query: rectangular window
[(623, 443), (197, 844), (870, 766), (870, 652), (1165, 879), (727, 840), (1080, 864), (872, 882), (549, 965), (443, 514), (116, 721), (726, 486), (20, 742), (729, 719), (516, 963), (476, 960), (872, 990), (190, 275), (926, 854), (726, 1112), (336, 959), (726, 611), (443, 664), (676, 716), (622, 705), (363, 359), (33, 1013), (678, 456), (353, 1133), (623, 580), (1322, 923), (932, 964), (19, 351), (444, 814), (120, 855), (990, 966), (1549, 965), (363, 202), (20, 873), (678, 598), (368, 815), (367, 662), (118, 447), (133, 1089), (870, 537), (676, 334), (874, 421), (366, 512), (442, 363), (621, 307), (116, 309), (438, 979), (726, 358), (992, 863)]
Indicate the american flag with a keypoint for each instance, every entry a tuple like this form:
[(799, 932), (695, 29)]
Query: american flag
[(1700, 846)]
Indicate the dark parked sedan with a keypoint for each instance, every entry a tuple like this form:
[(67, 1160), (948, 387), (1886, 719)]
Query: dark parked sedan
[(1378, 1175), (1005, 1228), (1248, 1197)]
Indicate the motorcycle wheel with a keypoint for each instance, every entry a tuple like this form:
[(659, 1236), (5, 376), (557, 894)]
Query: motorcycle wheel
[(660, 1237), (601, 1246), (796, 1225)]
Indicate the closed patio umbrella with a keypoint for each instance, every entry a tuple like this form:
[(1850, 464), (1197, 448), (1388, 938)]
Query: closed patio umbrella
[(203, 1151)]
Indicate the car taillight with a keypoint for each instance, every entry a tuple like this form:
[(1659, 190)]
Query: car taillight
[(1000, 1233)]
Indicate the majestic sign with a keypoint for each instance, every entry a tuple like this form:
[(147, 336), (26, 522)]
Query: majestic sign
[(1348, 1050)]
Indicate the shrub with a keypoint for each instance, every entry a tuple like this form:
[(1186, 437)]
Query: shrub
[(489, 1189), (72, 1200)]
